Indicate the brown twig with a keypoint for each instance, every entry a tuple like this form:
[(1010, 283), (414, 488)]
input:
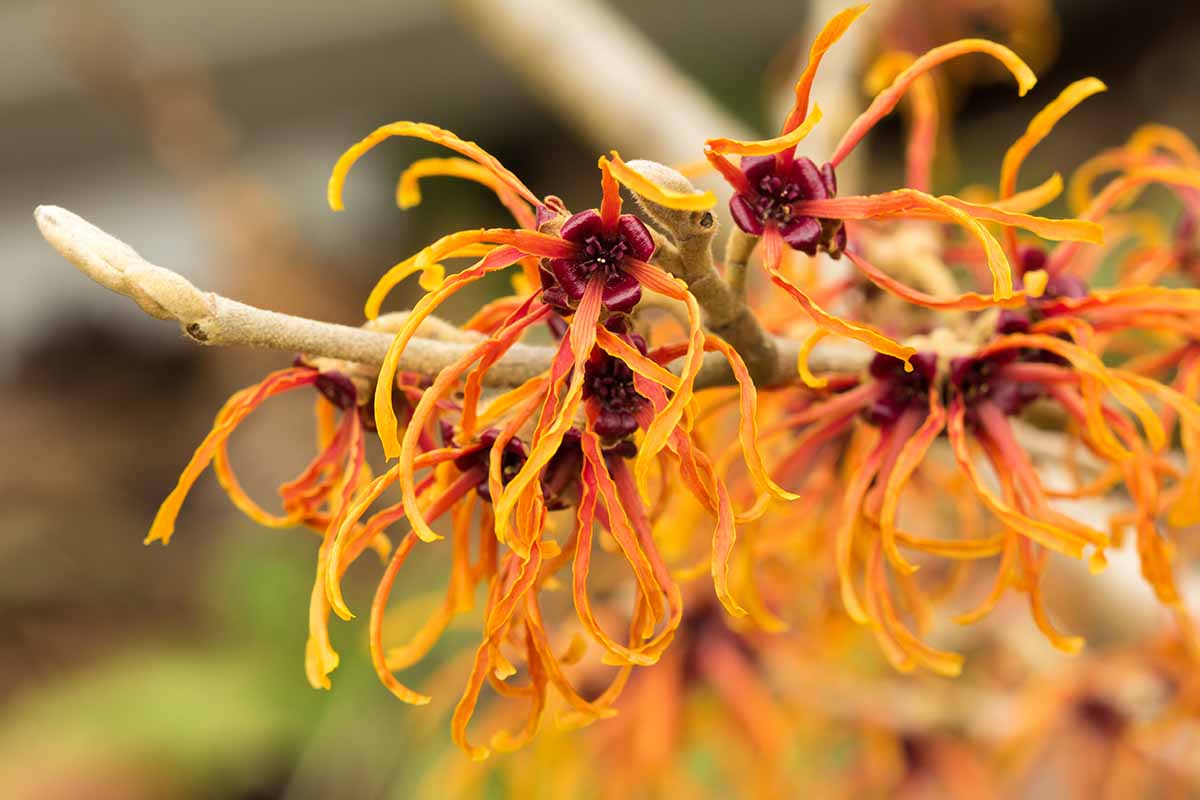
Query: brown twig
[(210, 319)]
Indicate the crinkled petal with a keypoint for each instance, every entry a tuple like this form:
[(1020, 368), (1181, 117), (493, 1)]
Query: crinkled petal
[(886, 100), (834, 29)]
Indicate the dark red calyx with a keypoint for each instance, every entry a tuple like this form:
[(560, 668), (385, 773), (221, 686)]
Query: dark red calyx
[(337, 388), (775, 187), (560, 478), (608, 385), (1030, 258), (604, 254), (980, 380), (902, 390), (479, 455)]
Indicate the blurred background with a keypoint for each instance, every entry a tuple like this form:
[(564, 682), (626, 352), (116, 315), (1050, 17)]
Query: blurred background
[(203, 134)]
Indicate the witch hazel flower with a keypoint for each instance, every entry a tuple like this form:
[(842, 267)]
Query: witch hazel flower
[(605, 248), (770, 191), (595, 430)]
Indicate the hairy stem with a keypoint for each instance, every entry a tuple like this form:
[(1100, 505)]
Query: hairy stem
[(688, 255)]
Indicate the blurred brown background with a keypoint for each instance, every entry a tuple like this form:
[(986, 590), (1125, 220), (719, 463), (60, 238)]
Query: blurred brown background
[(203, 134)]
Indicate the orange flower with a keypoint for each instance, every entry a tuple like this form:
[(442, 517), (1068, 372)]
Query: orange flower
[(563, 438)]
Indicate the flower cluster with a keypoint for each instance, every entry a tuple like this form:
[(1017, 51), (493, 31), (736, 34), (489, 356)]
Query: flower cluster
[(616, 471)]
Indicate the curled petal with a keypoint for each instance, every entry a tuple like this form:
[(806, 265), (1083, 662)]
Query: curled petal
[(499, 615), (999, 585), (1029, 562), (939, 661), (550, 431), (408, 189), (923, 106), (731, 172), (909, 202), (1047, 535), (621, 510), (1112, 193), (385, 415), (827, 38), (240, 405), (806, 348), (654, 279), (967, 301), (865, 468), (911, 455), (382, 593), (1154, 136), (514, 326), (430, 133), (861, 332), (643, 365), (1032, 199), (335, 563), (886, 100), (748, 421), (461, 244), (1094, 369), (1040, 127), (785, 143), (1079, 194), (1186, 511), (1056, 230), (320, 659), (581, 568), (724, 537)]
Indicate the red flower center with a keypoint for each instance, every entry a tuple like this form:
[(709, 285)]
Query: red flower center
[(775, 187), (608, 384), (901, 390), (603, 254)]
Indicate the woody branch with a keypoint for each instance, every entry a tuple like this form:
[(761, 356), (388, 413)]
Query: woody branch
[(210, 319)]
